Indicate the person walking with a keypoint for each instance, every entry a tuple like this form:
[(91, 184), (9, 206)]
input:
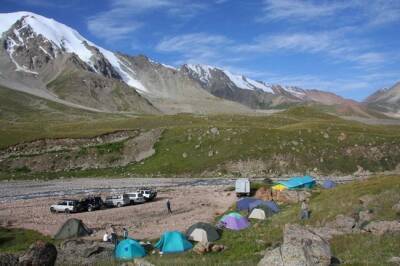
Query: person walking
[(169, 206), (304, 210)]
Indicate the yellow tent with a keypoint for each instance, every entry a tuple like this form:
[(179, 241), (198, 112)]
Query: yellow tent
[(279, 187)]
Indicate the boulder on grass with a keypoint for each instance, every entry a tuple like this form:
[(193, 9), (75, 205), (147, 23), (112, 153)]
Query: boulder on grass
[(39, 254), (301, 246)]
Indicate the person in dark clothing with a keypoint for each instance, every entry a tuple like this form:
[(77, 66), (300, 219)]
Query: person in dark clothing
[(169, 206), (125, 233)]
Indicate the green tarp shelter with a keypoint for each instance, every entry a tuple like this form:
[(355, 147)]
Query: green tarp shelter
[(72, 228)]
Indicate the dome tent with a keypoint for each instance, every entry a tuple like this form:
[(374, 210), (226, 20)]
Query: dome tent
[(173, 242), (210, 230), (258, 214), (72, 228), (234, 221), (244, 204), (328, 184), (129, 249)]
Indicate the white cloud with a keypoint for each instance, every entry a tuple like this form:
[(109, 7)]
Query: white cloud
[(127, 16), (195, 47), (296, 10)]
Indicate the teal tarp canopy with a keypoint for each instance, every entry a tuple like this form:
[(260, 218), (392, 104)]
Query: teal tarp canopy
[(173, 242), (129, 249), (299, 182)]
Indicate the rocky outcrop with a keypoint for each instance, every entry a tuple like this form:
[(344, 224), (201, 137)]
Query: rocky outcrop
[(84, 252), (39, 254), (383, 227), (301, 246), (8, 259), (340, 226)]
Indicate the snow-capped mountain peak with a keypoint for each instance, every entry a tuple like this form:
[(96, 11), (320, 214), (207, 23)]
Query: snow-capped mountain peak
[(63, 39)]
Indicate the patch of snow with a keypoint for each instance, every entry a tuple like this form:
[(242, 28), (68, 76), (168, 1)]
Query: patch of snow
[(16, 32), (168, 66), (202, 71), (295, 91), (260, 85)]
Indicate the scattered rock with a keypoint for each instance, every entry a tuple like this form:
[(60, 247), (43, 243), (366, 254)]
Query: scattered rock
[(218, 248), (292, 196), (39, 253), (394, 260), (214, 131), (141, 262), (202, 248), (396, 207), (300, 246), (342, 136), (383, 227), (210, 153), (263, 193), (184, 155), (8, 259)]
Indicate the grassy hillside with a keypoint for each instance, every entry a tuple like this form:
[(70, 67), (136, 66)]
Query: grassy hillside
[(299, 140), (246, 246)]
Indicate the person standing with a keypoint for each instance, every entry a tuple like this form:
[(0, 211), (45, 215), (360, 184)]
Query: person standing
[(169, 206), (304, 210), (125, 233)]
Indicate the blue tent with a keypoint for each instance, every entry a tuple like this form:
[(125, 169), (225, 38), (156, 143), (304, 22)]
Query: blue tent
[(299, 182), (129, 249), (268, 204), (244, 204), (328, 184), (173, 242)]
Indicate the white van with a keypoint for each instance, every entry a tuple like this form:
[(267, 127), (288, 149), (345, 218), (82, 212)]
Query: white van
[(242, 187)]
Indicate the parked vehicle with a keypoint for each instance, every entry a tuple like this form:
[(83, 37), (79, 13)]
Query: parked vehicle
[(148, 193), (242, 187), (135, 197), (117, 200), (66, 205), (91, 203)]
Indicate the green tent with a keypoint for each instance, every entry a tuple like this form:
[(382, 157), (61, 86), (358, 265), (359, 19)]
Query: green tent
[(72, 228), (173, 242), (211, 231)]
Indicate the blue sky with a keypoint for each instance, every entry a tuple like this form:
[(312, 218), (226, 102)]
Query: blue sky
[(350, 47)]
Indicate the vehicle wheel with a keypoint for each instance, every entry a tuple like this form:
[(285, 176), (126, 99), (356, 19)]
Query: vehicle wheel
[(52, 210), (90, 208), (118, 205), (67, 211)]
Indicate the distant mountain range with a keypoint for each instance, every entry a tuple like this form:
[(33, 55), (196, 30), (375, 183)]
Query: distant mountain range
[(48, 59)]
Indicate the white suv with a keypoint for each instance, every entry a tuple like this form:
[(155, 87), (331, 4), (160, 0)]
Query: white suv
[(66, 206), (117, 200), (135, 197)]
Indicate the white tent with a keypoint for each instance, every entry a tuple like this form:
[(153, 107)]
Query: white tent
[(199, 235), (258, 214)]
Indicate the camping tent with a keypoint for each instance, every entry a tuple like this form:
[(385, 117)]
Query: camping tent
[(199, 235), (328, 184), (299, 182), (210, 230), (268, 204), (279, 187), (258, 214), (72, 228), (129, 249), (243, 204), (173, 242), (234, 221)]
